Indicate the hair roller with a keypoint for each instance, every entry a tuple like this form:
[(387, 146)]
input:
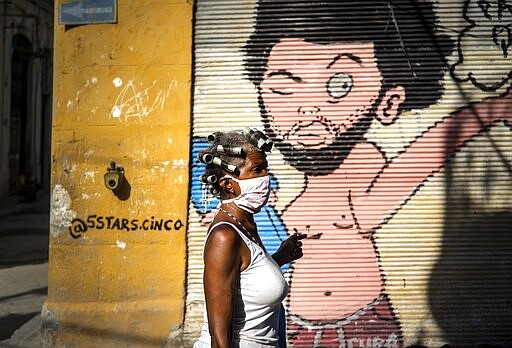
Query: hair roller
[(209, 179), (211, 138), (235, 151), (206, 158), (258, 139), (223, 164), (214, 191), (264, 144)]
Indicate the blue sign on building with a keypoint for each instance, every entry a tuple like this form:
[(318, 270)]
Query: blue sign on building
[(76, 12)]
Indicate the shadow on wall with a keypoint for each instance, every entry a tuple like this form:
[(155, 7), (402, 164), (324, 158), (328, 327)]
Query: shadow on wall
[(469, 289), (117, 338)]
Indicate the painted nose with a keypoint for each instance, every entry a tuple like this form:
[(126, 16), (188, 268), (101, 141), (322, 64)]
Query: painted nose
[(308, 110)]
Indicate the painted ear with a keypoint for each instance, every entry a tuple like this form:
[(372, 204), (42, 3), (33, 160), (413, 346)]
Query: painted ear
[(389, 108)]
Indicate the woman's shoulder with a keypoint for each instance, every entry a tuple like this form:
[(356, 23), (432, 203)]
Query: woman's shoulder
[(224, 248), (222, 233)]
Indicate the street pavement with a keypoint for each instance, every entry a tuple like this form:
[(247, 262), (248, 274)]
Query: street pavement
[(24, 235)]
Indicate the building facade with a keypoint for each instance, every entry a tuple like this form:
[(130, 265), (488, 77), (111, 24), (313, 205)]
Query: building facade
[(393, 147), (26, 36)]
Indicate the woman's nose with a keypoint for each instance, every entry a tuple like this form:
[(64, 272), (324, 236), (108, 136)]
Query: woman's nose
[(308, 110)]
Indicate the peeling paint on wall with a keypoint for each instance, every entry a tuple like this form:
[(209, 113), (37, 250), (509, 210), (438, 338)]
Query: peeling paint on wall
[(117, 82), (136, 101), (179, 163), (73, 103), (61, 214), (50, 324), (89, 176), (88, 154)]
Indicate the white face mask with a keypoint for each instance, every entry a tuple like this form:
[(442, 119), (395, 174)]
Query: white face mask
[(254, 193)]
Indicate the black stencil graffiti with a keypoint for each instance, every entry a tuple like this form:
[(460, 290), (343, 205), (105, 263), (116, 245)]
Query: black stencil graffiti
[(78, 227)]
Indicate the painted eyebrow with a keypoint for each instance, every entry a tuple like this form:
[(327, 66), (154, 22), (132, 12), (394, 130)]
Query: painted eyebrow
[(350, 56), (285, 73)]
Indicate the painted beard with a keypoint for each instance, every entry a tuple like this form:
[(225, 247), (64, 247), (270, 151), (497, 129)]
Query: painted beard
[(322, 161)]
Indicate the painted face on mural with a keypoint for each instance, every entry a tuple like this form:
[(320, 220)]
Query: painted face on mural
[(319, 98)]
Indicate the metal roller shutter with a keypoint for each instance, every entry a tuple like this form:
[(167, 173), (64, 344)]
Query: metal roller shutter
[(416, 242)]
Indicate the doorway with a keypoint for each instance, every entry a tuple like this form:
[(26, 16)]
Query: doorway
[(20, 176)]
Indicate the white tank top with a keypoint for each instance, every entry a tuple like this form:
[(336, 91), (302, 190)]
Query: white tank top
[(257, 300)]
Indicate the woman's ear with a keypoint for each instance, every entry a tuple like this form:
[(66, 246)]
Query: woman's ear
[(389, 107), (226, 185)]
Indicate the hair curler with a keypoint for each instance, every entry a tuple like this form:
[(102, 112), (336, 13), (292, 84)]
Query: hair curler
[(206, 158), (235, 151), (258, 139), (209, 179), (211, 138)]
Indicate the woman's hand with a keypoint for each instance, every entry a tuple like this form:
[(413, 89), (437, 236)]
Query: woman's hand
[(290, 249)]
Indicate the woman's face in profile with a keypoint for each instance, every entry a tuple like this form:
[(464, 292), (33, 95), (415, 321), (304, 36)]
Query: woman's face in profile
[(254, 165)]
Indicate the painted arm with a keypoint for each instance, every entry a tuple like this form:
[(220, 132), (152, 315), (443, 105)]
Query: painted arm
[(425, 156), (221, 268)]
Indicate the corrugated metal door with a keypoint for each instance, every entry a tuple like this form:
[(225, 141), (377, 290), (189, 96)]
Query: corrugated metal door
[(393, 152)]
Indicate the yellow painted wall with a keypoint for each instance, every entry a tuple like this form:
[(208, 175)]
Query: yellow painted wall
[(121, 93)]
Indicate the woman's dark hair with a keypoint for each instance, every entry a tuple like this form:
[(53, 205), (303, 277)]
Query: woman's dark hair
[(408, 50), (228, 140)]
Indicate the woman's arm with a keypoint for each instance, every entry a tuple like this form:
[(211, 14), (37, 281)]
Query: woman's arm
[(222, 261)]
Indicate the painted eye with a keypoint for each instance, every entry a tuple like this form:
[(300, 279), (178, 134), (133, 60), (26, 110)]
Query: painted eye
[(339, 85), (280, 92)]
